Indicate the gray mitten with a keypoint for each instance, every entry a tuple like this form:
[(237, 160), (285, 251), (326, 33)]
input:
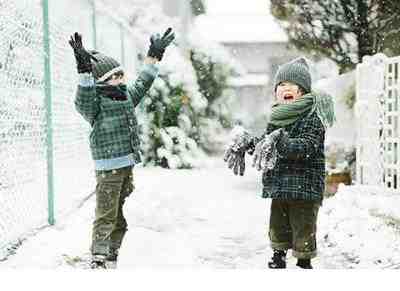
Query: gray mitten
[(235, 153), (266, 153)]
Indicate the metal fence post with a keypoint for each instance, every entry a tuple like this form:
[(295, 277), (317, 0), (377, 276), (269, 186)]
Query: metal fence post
[(94, 30), (49, 127), (121, 29)]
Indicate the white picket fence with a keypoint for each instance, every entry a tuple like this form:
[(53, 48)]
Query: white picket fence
[(377, 112)]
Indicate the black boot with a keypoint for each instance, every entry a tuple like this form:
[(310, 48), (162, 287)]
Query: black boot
[(111, 260), (278, 260), (304, 263), (98, 262)]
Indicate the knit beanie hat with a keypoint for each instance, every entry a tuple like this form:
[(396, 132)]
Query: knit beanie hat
[(105, 67), (295, 71)]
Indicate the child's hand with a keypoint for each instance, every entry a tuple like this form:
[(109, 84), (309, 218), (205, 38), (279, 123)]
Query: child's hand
[(265, 153), (159, 44), (278, 135), (236, 160), (235, 154), (82, 56)]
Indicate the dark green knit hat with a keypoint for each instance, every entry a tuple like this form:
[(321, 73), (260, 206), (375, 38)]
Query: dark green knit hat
[(295, 71), (104, 67)]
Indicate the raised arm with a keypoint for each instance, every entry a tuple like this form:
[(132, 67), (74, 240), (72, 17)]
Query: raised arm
[(86, 102), (149, 72), (142, 84)]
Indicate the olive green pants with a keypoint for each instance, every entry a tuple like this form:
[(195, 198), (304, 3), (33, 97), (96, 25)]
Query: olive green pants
[(110, 226), (293, 225)]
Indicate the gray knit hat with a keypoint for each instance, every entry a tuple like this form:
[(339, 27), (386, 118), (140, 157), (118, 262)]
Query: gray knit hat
[(104, 67), (295, 71)]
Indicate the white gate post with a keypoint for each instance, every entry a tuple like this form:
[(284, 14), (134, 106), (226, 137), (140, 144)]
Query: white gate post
[(369, 113)]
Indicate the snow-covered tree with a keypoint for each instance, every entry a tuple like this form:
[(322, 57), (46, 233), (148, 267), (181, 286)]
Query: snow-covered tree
[(343, 31), (182, 113), (170, 114), (213, 67)]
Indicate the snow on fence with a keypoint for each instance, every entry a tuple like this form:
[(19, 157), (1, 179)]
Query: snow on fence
[(45, 164), (378, 112)]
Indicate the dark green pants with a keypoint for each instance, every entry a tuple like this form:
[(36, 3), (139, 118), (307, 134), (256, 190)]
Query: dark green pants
[(293, 225), (110, 226)]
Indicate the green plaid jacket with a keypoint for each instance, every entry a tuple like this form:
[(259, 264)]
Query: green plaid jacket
[(300, 169), (114, 132)]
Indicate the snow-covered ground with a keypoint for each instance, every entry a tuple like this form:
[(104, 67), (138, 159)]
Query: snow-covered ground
[(208, 218)]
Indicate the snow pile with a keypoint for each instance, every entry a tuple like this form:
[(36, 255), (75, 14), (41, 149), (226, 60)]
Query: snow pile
[(359, 227)]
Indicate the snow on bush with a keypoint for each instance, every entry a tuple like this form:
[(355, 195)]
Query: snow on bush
[(187, 102)]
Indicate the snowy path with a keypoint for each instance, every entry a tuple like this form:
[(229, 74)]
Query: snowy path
[(210, 218)]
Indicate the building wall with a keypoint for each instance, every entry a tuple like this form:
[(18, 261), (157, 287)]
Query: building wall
[(171, 7), (254, 100), (260, 57), (251, 107)]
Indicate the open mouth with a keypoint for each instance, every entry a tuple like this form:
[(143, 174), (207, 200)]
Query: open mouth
[(288, 96)]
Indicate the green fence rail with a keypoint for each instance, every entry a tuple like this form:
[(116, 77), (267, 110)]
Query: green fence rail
[(45, 164)]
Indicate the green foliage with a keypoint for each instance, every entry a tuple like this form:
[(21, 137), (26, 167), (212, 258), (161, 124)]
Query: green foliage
[(343, 31), (197, 7), (175, 128), (168, 130), (212, 77), (389, 36)]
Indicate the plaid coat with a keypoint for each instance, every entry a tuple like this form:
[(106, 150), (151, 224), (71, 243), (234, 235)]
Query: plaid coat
[(114, 125), (300, 169)]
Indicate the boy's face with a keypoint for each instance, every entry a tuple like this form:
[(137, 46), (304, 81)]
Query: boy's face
[(287, 92), (117, 79)]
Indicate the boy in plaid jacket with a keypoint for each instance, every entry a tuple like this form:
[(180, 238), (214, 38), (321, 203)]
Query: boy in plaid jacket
[(291, 155), (108, 104)]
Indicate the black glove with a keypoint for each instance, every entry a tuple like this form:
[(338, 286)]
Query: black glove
[(158, 44), (82, 56)]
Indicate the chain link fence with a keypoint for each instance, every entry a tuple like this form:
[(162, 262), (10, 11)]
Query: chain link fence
[(45, 164)]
